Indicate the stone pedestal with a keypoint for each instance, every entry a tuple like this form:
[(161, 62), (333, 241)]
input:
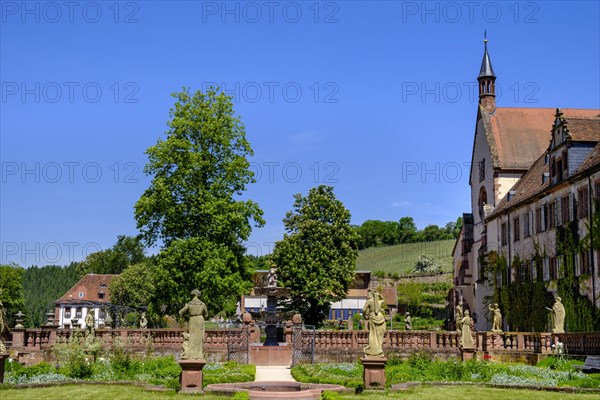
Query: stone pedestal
[(374, 372), (467, 353), (3, 357), (191, 375)]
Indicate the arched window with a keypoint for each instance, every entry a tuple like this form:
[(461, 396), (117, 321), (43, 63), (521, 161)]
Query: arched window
[(482, 200)]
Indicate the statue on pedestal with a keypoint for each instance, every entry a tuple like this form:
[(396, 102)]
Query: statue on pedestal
[(197, 311), (558, 316), (89, 323), (497, 318), (375, 320), (272, 277), (466, 339), (458, 316), (143, 321)]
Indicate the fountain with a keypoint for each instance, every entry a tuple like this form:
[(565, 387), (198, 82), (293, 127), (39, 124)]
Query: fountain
[(271, 316), (271, 351)]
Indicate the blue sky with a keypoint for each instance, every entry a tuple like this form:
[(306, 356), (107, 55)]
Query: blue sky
[(374, 98)]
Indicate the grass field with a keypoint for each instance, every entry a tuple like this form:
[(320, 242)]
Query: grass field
[(92, 392), (401, 258)]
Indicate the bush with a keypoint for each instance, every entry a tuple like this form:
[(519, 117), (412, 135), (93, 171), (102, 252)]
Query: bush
[(349, 375), (427, 266), (228, 372), (162, 368), (241, 396), (329, 395), (79, 366)]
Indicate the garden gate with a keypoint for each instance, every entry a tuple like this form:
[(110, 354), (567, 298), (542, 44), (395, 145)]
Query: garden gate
[(303, 344)]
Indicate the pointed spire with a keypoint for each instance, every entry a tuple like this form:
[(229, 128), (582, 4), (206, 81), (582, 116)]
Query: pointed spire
[(486, 65), (487, 80)]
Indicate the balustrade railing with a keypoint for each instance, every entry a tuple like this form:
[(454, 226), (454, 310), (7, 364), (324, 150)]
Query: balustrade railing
[(218, 339)]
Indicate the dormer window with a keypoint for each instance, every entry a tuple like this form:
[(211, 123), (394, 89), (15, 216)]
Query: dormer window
[(545, 177), (80, 295), (100, 295)]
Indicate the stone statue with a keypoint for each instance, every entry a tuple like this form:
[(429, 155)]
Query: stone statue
[(197, 312), (466, 339), (497, 320), (458, 316), (408, 322), (558, 316), (186, 346), (375, 320), (89, 323), (143, 321), (107, 319), (272, 277)]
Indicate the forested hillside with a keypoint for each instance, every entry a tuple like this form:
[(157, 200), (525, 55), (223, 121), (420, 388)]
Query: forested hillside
[(43, 286)]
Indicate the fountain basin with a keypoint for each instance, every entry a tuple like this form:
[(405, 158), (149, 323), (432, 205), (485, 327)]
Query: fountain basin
[(263, 390)]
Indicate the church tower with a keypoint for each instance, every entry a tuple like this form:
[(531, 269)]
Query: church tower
[(487, 81)]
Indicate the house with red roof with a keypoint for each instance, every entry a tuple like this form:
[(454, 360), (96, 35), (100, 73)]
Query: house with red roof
[(89, 295)]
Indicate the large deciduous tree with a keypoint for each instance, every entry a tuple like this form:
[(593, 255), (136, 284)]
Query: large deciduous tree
[(191, 208), (317, 255)]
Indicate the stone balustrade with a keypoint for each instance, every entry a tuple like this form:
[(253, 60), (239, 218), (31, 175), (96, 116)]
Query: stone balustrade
[(217, 340)]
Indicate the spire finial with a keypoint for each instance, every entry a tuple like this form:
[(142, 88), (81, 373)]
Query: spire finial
[(485, 36)]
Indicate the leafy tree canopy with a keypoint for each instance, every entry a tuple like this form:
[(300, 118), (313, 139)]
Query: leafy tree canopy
[(191, 207), (127, 251), (317, 255), (133, 287), (196, 171), (12, 295)]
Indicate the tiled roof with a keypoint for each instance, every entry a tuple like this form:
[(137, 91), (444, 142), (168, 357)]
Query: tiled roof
[(90, 285), (531, 183), (517, 136), (584, 129), (591, 160)]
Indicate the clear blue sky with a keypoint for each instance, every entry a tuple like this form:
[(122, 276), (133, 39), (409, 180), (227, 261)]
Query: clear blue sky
[(376, 98)]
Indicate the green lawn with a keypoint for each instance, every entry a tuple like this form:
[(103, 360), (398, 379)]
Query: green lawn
[(104, 392), (401, 258)]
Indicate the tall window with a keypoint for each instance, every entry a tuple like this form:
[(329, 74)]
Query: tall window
[(559, 170), (584, 259), (582, 202), (482, 170), (516, 229), (78, 312), (526, 220), (551, 215), (482, 201), (564, 210), (503, 235), (538, 220)]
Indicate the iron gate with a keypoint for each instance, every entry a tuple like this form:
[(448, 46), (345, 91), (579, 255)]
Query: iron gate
[(237, 346), (303, 345)]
